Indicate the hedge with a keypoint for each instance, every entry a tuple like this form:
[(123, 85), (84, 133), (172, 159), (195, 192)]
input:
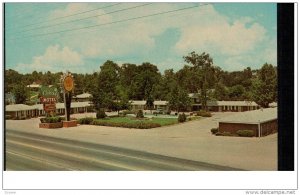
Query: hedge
[(52, 119), (203, 113), (126, 125), (86, 120), (245, 133), (223, 134)]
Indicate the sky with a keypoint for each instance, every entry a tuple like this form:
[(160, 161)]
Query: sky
[(80, 37)]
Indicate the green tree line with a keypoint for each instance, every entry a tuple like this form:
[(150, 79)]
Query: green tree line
[(113, 85)]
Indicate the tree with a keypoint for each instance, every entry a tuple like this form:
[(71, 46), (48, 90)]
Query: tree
[(146, 80), (12, 78), (21, 93), (220, 92), (105, 90), (179, 100), (150, 103), (236, 92), (264, 87), (203, 73)]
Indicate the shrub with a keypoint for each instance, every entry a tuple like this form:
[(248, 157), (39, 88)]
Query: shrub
[(140, 114), (214, 130), (8, 117), (52, 119), (100, 114), (227, 133), (245, 133), (43, 120), (86, 120), (203, 113), (223, 134), (181, 118)]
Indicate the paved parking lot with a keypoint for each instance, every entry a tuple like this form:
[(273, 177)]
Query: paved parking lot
[(191, 140)]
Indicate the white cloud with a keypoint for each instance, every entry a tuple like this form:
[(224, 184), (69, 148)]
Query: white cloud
[(221, 36), (54, 59), (85, 10), (202, 29)]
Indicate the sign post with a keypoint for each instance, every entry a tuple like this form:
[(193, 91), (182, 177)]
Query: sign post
[(67, 85)]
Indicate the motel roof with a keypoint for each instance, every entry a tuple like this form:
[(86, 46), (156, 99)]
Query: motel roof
[(18, 107), (160, 103), (143, 102), (84, 95), (34, 85), (231, 103), (138, 102), (58, 106), (194, 95), (252, 117)]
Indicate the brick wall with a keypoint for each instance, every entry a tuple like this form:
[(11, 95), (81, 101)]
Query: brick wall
[(269, 127), (234, 127), (266, 128)]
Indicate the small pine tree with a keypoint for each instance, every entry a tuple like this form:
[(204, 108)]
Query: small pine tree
[(100, 114), (140, 114), (181, 118)]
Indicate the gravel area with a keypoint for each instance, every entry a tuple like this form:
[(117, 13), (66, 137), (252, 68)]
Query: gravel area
[(191, 140)]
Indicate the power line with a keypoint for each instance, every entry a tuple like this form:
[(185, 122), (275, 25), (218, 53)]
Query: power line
[(50, 20), (36, 8), (119, 21), (80, 19)]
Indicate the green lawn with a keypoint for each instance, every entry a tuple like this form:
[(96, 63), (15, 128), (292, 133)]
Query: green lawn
[(133, 120)]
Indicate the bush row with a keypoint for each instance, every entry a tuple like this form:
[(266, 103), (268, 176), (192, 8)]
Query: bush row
[(241, 133), (52, 119), (127, 125)]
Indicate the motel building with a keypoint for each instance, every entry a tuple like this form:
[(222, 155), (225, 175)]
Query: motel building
[(22, 111), (231, 106), (262, 121)]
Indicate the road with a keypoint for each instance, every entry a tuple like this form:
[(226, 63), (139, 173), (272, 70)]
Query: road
[(33, 152)]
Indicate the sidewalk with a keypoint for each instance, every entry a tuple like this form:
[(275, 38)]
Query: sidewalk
[(191, 140)]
